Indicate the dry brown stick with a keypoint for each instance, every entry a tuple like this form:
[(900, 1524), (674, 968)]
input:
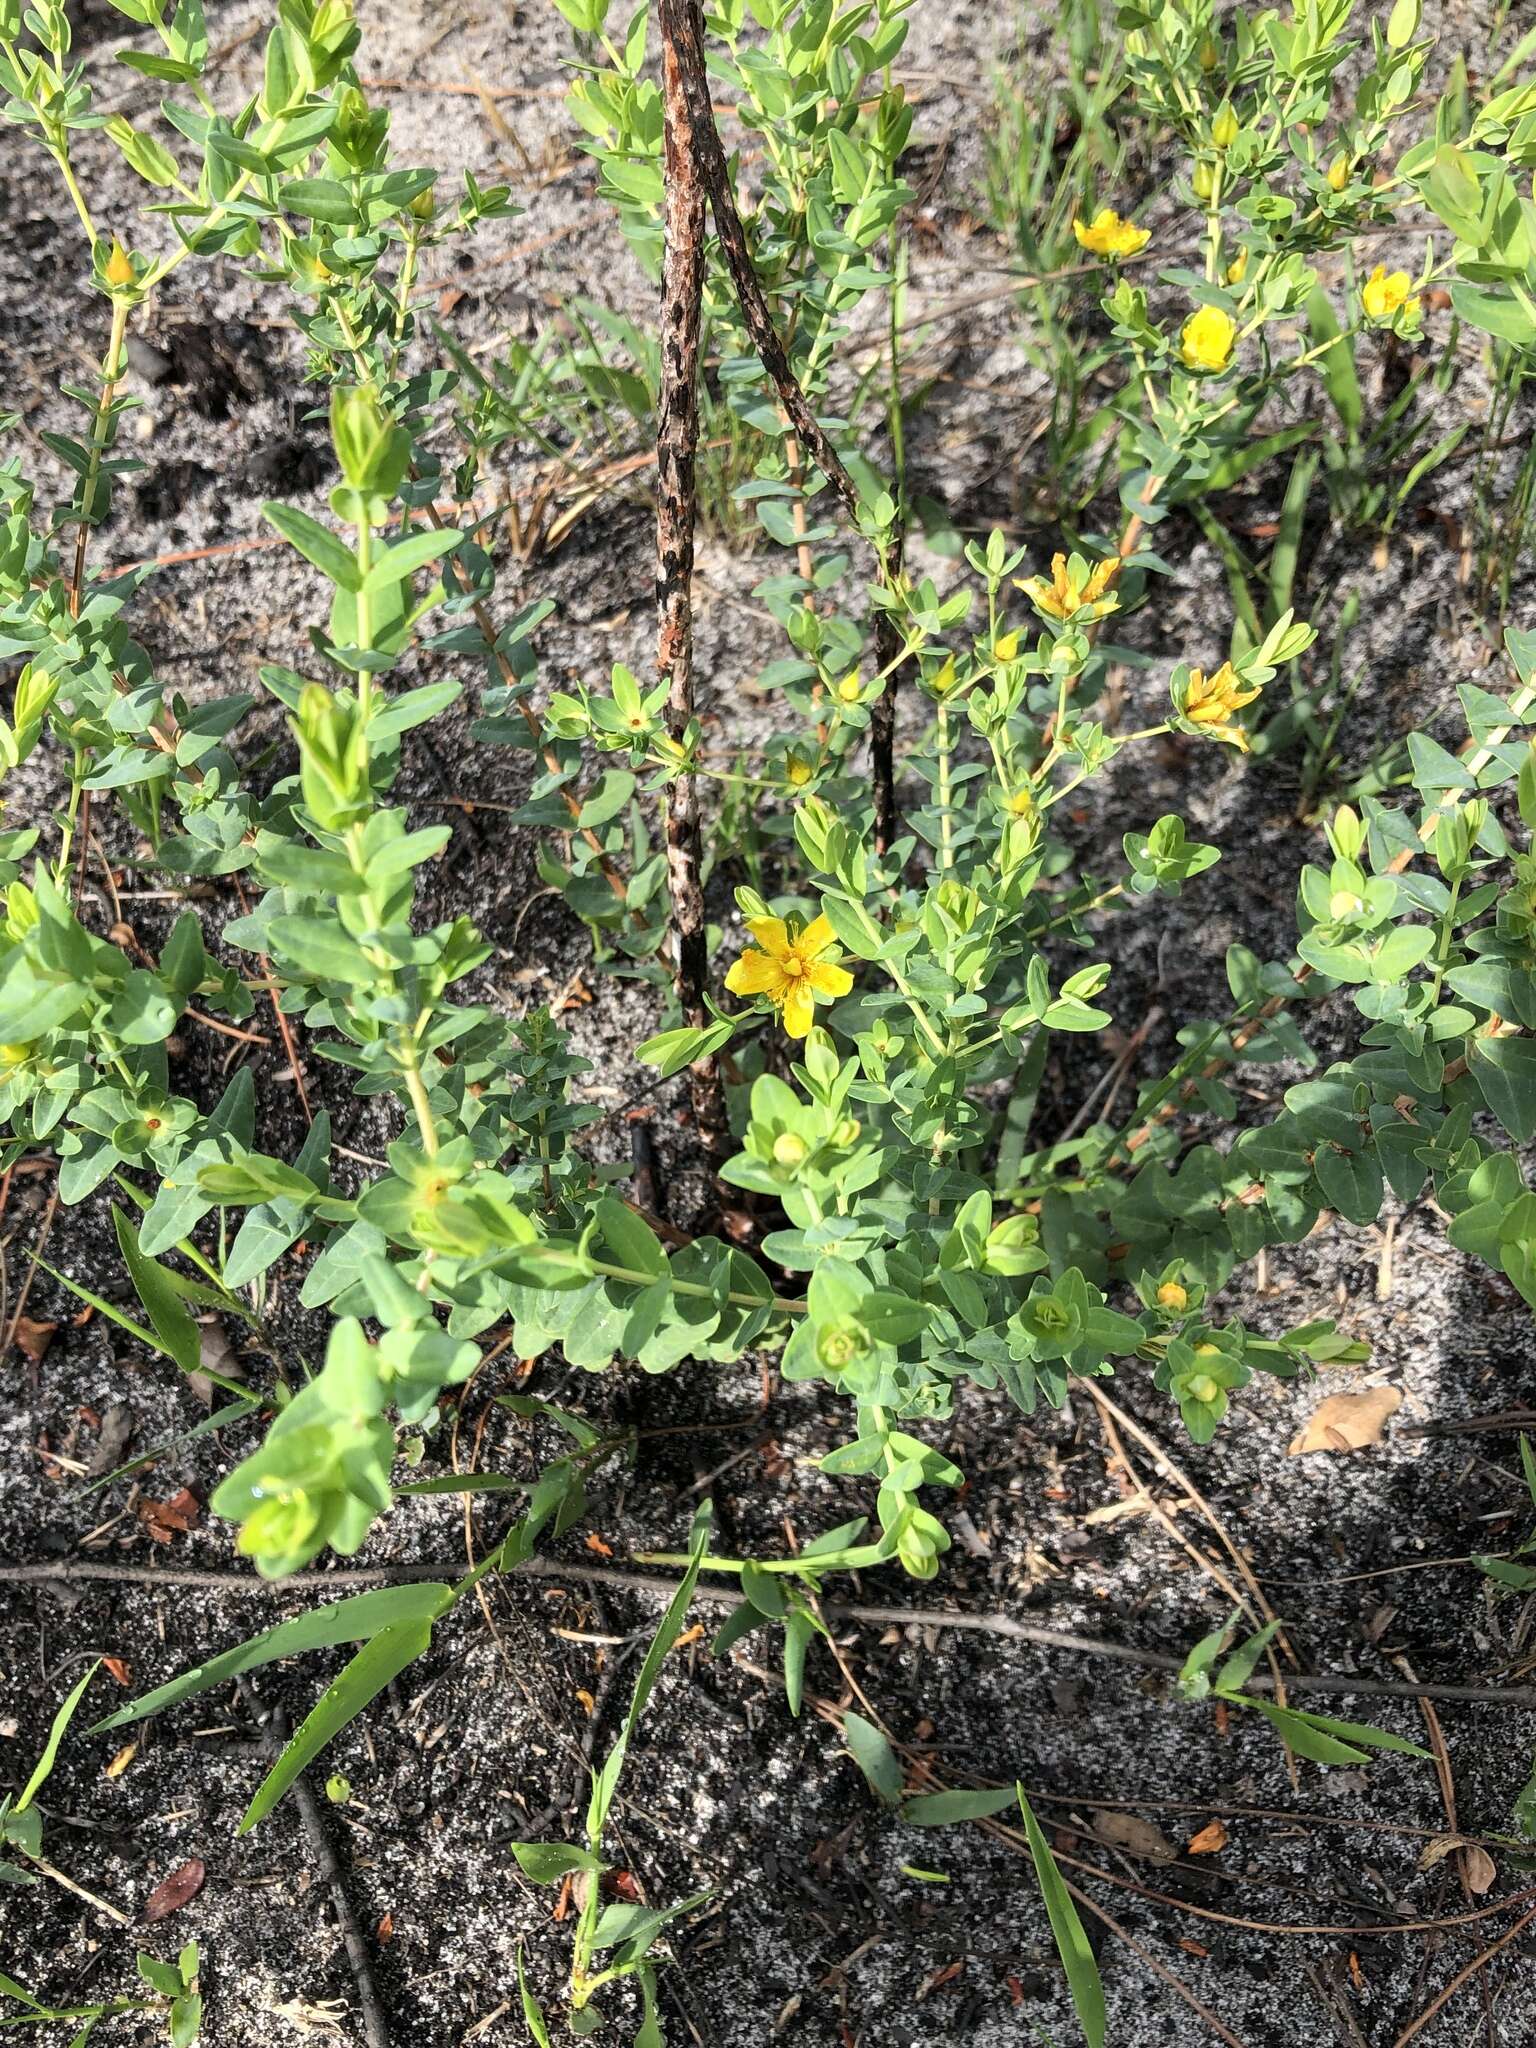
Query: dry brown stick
[(1207, 1564), (37, 1248), (651, 1585), (284, 1028), (274, 1736), (755, 311), (677, 443), (1108, 1408)]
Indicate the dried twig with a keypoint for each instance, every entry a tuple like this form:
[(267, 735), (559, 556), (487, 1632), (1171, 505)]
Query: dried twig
[(677, 442), (274, 1728), (687, 39), (654, 1586)]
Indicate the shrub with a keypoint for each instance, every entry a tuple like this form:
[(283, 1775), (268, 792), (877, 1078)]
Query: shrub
[(918, 930)]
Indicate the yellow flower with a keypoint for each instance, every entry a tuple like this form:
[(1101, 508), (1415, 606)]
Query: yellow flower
[(797, 771), (1020, 803), (1073, 588), (1108, 235), (1383, 295), (1237, 269), (1006, 647), (1207, 339), (790, 970), (1213, 702), (849, 689), (118, 269), (1172, 1296)]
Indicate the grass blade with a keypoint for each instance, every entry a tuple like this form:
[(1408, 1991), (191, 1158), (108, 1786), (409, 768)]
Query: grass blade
[(1071, 1942), (362, 1680), (354, 1620)]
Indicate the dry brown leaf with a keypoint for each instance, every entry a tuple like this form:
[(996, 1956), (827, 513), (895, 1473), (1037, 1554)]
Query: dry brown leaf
[(122, 1760), (176, 1891), (34, 1338), (216, 1355), (118, 1668), (1477, 1867), (1347, 1422), (1209, 1841), (166, 1519), (117, 1427), (1137, 1837)]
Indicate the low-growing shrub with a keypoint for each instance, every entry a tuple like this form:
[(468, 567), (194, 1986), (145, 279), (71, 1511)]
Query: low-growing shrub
[(865, 1054)]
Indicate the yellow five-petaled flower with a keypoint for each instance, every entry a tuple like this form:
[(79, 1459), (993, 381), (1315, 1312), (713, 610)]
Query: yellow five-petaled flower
[(791, 969), (1382, 294), (1073, 588), (1207, 339), (1108, 235), (1213, 702)]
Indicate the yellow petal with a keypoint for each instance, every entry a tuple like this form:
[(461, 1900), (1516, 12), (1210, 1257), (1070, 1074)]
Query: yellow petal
[(799, 1008), (771, 933), (816, 937), (828, 980), (755, 974)]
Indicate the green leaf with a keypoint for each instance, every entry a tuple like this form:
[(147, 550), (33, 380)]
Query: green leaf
[(1505, 1071), (1324, 1741), (186, 2019), (49, 1757), (548, 1862), (316, 543), (1071, 1942), (353, 1620), (533, 2018), (323, 952), (163, 1304), (605, 1781), (875, 1758), (322, 199), (671, 1051), (428, 544), (629, 1242), (363, 1679), (942, 1809)]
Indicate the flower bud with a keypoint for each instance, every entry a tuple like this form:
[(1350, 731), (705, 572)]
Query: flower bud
[(118, 269), (1338, 172), (1225, 129)]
